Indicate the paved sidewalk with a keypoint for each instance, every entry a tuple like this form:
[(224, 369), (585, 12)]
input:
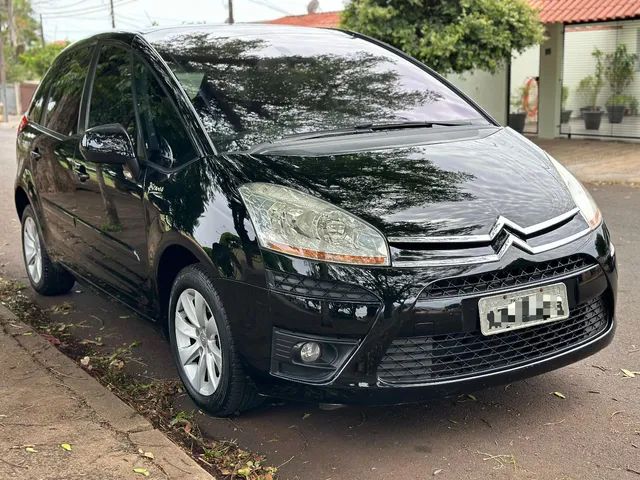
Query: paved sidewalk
[(47, 400), (596, 161)]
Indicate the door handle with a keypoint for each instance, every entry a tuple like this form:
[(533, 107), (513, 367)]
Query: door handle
[(81, 172), (35, 154)]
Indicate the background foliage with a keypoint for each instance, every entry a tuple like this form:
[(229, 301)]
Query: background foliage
[(26, 57), (449, 35)]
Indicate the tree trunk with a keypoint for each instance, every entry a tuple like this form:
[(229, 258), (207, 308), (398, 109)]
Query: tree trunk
[(113, 221)]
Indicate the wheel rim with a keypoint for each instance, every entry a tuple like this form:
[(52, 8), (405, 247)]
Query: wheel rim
[(32, 250), (198, 342)]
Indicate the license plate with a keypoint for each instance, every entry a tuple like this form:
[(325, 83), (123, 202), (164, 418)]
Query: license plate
[(524, 308)]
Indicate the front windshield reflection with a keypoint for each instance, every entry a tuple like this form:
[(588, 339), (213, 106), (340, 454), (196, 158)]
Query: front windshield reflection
[(253, 90)]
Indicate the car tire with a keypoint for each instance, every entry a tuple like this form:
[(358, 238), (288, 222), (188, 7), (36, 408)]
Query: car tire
[(204, 351), (46, 277)]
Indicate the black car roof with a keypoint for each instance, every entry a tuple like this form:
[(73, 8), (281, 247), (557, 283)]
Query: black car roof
[(238, 29), (258, 30)]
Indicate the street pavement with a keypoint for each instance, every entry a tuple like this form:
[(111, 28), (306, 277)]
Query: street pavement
[(519, 431), (57, 422)]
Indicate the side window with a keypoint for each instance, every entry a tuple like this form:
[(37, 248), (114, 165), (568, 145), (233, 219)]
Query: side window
[(35, 110), (63, 102), (166, 139), (112, 94)]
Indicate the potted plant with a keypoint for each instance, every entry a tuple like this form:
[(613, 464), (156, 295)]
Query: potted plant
[(565, 115), (619, 69), (589, 88), (616, 105), (518, 115)]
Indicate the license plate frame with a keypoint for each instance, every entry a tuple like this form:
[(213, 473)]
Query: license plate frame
[(508, 309)]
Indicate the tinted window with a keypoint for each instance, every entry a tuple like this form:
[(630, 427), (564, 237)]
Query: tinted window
[(63, 101), (112, 95), (250, 89), (166, 139), (35, 111)]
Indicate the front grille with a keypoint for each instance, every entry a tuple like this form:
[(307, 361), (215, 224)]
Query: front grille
[(507, 277), (335, 291), (444, 357)]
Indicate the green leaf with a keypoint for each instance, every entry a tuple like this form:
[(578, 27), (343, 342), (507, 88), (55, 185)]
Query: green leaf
[(142, 471)]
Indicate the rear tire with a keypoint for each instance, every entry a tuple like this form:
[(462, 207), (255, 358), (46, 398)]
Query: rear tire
[(45, 276), (203, 347)]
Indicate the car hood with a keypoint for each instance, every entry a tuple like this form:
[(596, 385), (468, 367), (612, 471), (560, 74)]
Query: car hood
[(446, 188)]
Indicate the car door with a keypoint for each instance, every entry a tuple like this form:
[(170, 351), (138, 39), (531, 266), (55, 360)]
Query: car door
[(53, 146), (110, 214)]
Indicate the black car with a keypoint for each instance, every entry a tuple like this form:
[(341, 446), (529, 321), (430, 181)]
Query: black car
[(311, 214)]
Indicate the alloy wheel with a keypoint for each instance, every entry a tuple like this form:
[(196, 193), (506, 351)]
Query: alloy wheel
[(32, 250), (198, 342)]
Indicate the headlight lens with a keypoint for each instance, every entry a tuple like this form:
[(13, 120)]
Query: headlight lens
[(581, 196), (292, 222)]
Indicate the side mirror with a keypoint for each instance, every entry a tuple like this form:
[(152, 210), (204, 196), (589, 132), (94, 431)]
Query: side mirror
[(108, 144)]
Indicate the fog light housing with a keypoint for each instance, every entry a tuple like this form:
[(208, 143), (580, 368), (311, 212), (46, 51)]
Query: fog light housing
[(310, 352)]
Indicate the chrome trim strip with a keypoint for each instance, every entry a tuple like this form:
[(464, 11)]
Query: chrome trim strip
[(512, 240), (501, 222)]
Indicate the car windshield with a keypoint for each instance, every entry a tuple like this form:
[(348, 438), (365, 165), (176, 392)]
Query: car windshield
[(252, 89)]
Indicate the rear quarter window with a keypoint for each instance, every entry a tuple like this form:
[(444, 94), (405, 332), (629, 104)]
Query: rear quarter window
[(60, 109), (35, 110)]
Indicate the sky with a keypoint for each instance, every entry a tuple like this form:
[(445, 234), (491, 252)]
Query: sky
[(76, 19)]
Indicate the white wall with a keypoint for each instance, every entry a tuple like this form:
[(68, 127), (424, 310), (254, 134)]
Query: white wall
[(524, 66), (488, 90)]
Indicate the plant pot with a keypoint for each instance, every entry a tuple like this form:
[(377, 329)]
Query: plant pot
[(565, 116), (592, 119), (615, 113), (517, 120)]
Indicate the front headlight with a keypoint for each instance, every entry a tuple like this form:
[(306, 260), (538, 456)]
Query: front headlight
[(581, 196), (292, 222)]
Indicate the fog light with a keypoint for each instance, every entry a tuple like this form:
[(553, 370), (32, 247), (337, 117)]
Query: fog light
[(310, 352)]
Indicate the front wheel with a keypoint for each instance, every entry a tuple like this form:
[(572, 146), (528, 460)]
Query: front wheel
[(203, 347), (45, 276)]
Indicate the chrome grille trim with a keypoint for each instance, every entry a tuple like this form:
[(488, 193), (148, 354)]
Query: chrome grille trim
[(494, 257), (500, 224)]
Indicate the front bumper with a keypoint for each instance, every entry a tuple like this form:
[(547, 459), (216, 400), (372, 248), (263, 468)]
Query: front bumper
[(406, 334)]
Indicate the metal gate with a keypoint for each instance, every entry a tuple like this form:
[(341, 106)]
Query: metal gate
[(601, 80)]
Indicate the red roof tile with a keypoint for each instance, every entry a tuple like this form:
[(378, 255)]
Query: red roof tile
[(551, 11), (325, 19), (576, 11)]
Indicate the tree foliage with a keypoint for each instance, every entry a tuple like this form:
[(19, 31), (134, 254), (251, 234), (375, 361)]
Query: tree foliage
[(37, 59), (26, 59), (449, 35)]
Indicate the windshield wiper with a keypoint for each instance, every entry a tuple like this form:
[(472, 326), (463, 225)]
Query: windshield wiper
[(358, 129), (413, 124), (371, 127)]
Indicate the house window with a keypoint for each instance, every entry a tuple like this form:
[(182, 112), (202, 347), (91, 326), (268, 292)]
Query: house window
[(638, 49)]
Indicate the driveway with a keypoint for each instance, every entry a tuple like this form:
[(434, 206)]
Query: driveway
[(521, 430)]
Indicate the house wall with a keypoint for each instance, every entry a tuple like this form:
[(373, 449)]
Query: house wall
[(488, 90)]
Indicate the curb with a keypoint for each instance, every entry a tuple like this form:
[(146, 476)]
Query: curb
[(112, 411)]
